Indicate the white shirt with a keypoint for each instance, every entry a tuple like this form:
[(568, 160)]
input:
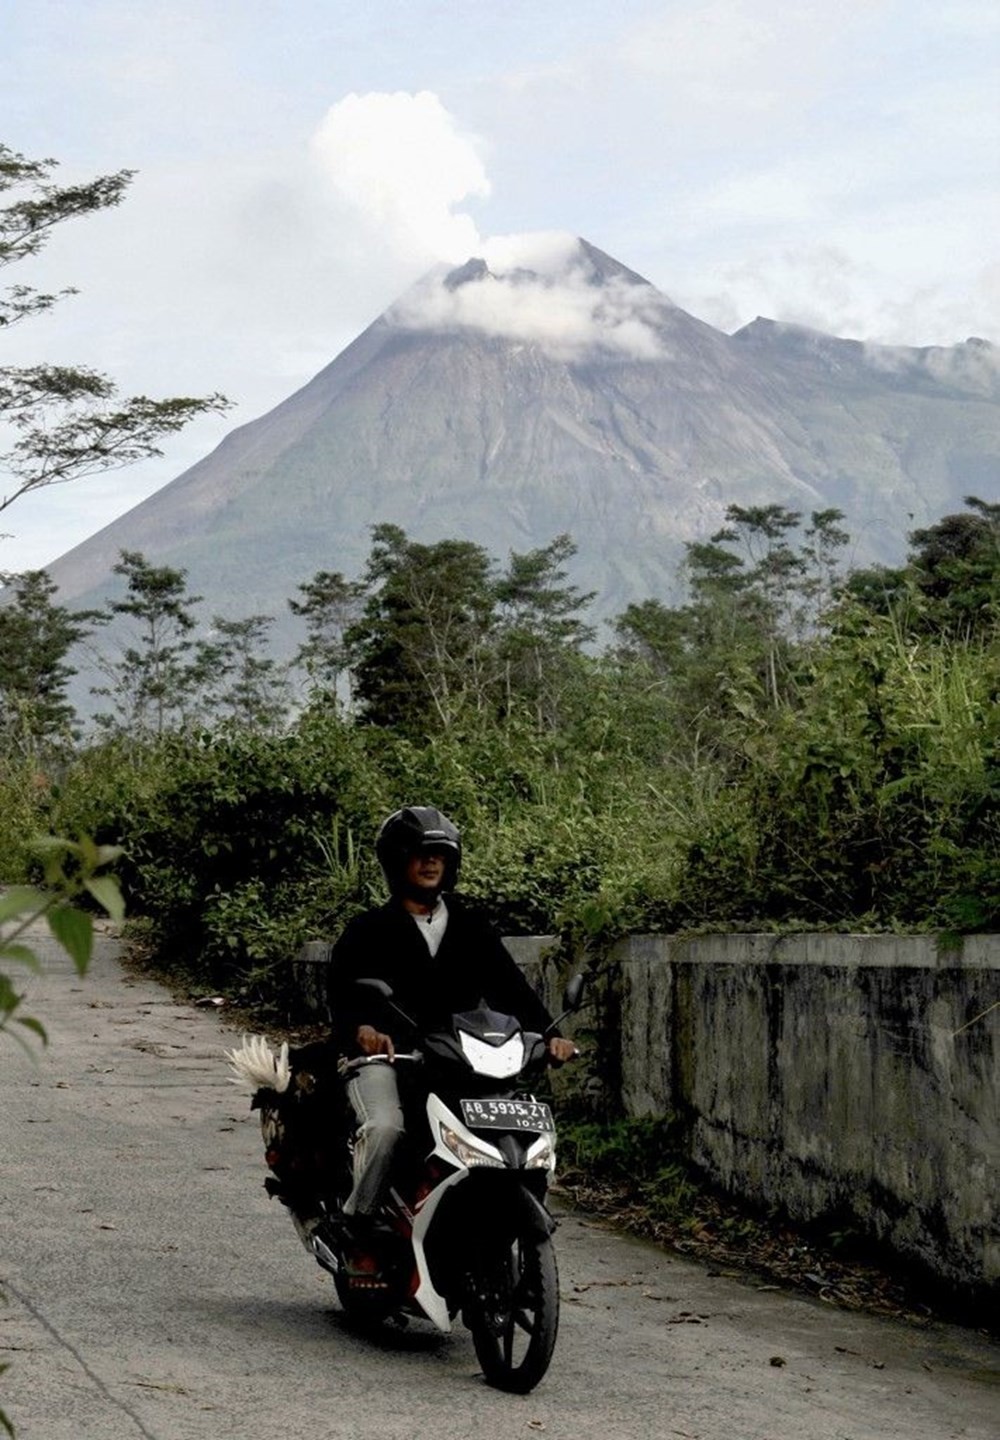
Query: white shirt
[(432, 926)]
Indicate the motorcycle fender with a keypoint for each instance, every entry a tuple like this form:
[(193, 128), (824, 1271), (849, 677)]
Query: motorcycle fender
[(541, 1222)]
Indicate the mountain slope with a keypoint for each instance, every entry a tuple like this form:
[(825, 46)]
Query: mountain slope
[(508, 406)]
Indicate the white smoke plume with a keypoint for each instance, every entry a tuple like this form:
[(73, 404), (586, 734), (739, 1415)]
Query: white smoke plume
[(405, 171), (401, 163)]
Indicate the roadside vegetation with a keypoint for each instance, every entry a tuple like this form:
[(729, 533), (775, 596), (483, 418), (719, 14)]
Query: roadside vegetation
[(790, 746)]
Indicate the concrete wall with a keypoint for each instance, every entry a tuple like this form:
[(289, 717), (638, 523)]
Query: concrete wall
[(829, 1076)]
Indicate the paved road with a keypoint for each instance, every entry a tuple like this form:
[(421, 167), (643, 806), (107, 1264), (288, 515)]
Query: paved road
[(154, 1291)]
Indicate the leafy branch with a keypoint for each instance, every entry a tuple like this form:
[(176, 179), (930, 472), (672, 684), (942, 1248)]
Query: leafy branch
[(72, 871)]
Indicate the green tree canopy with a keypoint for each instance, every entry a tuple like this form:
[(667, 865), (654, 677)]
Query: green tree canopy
[(420, 652), (156, 679), (66, 421), (330, 605), (241, 684), (36, 636), (956, 566)]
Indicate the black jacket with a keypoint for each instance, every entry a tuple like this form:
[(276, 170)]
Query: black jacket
[(472, 965)]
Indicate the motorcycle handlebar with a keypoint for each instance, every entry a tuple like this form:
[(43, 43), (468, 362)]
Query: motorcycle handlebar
[(415, 1058)]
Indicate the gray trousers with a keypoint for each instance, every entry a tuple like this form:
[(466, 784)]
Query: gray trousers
[(374, 1097)]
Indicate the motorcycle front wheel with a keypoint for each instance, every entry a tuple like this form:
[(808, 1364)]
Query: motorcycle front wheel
[(514, 1330)]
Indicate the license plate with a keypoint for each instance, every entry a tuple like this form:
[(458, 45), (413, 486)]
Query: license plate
[(508, 1115)]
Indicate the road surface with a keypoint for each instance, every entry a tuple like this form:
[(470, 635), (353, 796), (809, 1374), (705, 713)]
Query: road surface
[(155, 1291)]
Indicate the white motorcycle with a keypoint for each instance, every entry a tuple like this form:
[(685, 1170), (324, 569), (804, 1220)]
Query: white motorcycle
[(465, 1229)]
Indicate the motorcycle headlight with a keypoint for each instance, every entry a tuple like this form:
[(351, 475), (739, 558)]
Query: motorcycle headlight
[(466, 1151), (542, 1155)]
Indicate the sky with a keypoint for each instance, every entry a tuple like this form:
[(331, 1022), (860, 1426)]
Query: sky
[(300, 166)]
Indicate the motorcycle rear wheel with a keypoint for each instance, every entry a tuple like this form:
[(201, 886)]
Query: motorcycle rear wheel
[(515, 1340)]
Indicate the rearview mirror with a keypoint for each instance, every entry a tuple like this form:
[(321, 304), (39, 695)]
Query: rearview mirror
[(573, 993), (377, 987)]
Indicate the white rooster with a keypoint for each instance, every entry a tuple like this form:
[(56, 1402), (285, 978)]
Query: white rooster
[(255, 1066)]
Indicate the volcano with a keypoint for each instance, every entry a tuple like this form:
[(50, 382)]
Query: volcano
[(564, 393)]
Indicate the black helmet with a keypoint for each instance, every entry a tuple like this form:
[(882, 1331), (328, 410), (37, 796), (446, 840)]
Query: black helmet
[(415, 828)]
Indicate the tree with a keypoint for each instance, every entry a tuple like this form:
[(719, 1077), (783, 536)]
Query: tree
[(757, 597), (155, 681), (771, 579), (653, 634), (35, 638), (823, 576), (949, 586), (244, 686), (540, 628), (420, 651), (956, 567), (330, 606), (68, 421)]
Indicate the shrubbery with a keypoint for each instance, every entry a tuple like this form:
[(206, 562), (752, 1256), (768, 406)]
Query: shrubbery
[(722, 766)]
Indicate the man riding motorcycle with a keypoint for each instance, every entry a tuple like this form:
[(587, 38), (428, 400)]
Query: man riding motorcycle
[(440, 957)]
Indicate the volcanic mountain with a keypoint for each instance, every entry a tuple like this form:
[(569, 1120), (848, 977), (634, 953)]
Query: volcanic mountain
[(507, 405)]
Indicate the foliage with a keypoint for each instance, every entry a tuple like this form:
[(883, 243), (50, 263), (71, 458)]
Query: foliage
[(36, 636), (330, 605), (540, 632), (241, 684), (872, 800), (755, 600), (747, 759), (956, 565), (72, 871), (68, 421), (444, 637), (418, 651), (154, 681), (225, 831), (644, 1159)]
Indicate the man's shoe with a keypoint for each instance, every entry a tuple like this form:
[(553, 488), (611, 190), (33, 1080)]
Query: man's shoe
[(365, 1239)]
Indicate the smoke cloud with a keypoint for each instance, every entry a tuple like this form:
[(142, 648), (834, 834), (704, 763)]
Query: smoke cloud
[(401, 164), (543, 290), (402, 168)]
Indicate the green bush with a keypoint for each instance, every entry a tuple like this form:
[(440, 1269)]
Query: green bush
[(863, 795), (871, 800), (24, 807)]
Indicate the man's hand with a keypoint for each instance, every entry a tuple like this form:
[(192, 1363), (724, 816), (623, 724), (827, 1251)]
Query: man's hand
[(372, 1042), (561, 1050)]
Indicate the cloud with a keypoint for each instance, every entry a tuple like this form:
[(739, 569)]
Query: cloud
[(973, 366), (878, 293), (745, 53), (542, 289), (699, 74), (401, 164)]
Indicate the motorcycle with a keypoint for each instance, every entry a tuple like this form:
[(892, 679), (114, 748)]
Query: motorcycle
[(465, 1230)]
